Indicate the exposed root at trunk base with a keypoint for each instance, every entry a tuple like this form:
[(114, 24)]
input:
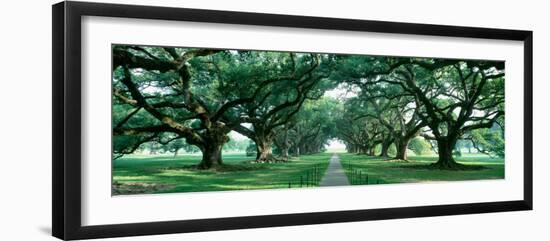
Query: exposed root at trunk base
[(449, 167), (236, 168), (454, 166), (270, 159), (397, 160)]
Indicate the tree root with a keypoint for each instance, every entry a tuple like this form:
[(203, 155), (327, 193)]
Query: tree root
[(271, 159), (397, 160), (454, 166)]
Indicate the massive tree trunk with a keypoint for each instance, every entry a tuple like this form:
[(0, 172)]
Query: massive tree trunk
[(265, 151), (445, 147), (211, 156), (211, 148), (402, 144), (264, 139), (284, 150), (385, 147)]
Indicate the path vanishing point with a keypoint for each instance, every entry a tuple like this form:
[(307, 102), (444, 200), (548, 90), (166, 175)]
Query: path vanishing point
[(335, 175)]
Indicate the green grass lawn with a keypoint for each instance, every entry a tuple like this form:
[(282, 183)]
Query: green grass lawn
[(415, 170), (136, 174)]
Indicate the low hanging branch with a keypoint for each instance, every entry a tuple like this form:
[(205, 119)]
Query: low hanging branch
[(210, 134)]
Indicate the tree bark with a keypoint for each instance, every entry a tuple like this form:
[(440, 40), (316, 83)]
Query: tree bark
[(445, 147), (214, 139), (402, 145), (211, 156), (385, 147), (265, 150)]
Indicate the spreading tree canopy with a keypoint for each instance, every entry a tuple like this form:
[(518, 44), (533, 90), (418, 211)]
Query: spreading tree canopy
[(182, 97)]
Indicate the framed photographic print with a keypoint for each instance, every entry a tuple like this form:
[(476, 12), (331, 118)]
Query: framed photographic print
[(169, 120)]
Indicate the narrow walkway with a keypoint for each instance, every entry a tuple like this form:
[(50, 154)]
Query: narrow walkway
[(335, 175)]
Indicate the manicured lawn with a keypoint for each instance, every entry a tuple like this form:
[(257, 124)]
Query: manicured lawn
[(383, 171), (135, 174)]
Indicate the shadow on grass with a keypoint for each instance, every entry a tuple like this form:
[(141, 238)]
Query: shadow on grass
[(222, 168), (460, 167), (138, 188)]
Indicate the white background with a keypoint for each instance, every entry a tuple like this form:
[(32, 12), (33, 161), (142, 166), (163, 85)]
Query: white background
[(25, 178)]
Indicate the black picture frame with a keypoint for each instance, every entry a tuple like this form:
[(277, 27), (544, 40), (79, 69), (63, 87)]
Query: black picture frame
[(66, 141)]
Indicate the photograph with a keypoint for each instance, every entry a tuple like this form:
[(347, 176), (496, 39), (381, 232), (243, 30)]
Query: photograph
[(192, 119)]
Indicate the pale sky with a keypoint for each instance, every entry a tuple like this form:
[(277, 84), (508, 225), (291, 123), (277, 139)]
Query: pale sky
[(335, 145), (341, 92)]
